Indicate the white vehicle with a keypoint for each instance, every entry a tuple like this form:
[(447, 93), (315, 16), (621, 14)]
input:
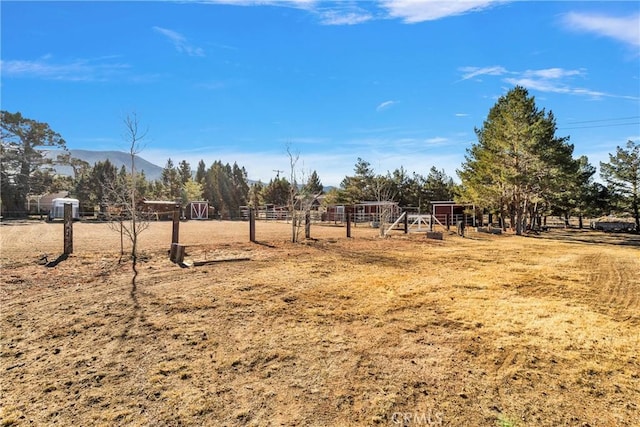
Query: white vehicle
[(57, 208)]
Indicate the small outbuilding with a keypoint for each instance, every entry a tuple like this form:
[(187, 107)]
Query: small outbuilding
[(57, 208), (450, 212)]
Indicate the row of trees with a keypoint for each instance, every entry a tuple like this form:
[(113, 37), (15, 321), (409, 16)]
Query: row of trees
[(225, 186), (415, 190), (519, 170)]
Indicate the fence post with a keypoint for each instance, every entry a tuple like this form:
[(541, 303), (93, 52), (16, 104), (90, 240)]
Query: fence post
[(68, 229), (348, 224), (252, 225), (406, 222), (175, 234), (307, 224)]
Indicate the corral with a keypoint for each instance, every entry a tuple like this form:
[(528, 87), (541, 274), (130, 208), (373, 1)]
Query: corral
[(481, 331)]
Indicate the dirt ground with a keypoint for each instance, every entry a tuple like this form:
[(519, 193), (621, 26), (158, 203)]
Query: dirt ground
[(487, 330)]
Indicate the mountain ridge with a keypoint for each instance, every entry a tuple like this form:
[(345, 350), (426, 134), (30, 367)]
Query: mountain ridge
[(117, 158), (152, 171)]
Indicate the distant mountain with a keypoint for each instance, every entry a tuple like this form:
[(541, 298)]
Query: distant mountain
[(117, 158)]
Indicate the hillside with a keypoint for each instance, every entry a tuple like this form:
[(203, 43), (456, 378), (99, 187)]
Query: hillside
[(118, 158)]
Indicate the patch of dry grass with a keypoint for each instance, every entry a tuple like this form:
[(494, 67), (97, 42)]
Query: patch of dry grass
[(487, 330)]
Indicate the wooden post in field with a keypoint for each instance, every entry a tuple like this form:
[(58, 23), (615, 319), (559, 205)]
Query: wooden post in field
[(348, 224), (176, 225), (406, 222), (68, 229), (431, 223), (175, 234), (446, 218), (252, 225)]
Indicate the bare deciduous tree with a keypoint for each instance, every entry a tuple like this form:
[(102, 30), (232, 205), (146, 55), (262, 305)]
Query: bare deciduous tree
[(383, 192), (123, 193), (293, 193), (301, 199)]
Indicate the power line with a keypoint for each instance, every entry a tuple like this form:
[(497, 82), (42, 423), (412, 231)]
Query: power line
[(602, 126), (604, 120)]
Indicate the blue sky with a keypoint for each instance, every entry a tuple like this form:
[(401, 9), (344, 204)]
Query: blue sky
[(395, 82)]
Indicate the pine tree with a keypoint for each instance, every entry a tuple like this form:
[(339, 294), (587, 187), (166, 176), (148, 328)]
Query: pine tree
[(359, 187), (313, 185), (518, 160), (622, 175), (21, 155), (201, 172), (276, 192), (184, 172), (171, 181)]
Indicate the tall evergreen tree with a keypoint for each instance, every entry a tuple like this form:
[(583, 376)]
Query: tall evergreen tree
[(313, 184), (360, 186), (255, 195), (438, 186), (184, 172), (622, 175), (21, 154), (201, 172), (517, 160), (399, 185), (240, 188), (90, 189), (211, 189), (277, 192), (576, 194), (171, 181)]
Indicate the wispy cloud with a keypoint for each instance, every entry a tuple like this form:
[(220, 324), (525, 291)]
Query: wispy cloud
[(438, 140), (385, 105), (304, 4), (94, 69), (353, 12), (548, 85), (335, 17), (554, 73), (550, 80), (413, 11), (624, 29), (462, 115), (472, 72), (180, 42)]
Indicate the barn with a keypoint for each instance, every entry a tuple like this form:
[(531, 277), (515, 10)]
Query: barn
[(450, 212)]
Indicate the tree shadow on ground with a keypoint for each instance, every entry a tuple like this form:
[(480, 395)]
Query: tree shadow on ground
[(57, 261), (592, 237)]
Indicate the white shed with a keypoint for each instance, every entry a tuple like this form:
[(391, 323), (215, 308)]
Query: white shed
[(57, 208)]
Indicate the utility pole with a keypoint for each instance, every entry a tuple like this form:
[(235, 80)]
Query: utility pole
[(277, 173)]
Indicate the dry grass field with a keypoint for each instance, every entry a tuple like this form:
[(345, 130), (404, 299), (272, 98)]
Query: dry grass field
[(478, 331)]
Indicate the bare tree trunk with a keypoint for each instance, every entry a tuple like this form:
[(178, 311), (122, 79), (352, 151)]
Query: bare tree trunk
[(293, 193), (294, 229)]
